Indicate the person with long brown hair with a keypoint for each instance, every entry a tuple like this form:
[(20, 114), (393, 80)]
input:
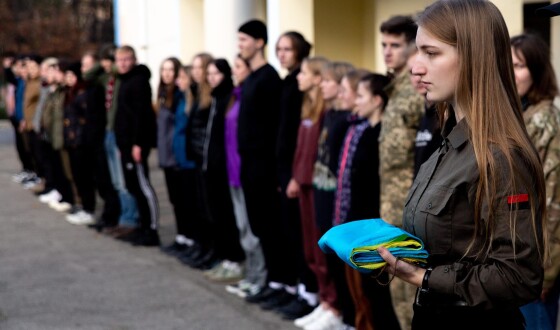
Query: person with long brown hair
[(291, 49), (537, 87), (479, 203), (199, 100), (301, 185), (168, 98)]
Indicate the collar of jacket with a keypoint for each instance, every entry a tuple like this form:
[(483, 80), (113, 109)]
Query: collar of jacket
[(459, 134)]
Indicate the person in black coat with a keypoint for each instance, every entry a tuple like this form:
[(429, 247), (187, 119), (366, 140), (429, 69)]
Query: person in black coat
[(135, 132)]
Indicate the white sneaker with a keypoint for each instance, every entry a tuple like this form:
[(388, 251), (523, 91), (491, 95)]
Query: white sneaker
[(80, 218), (19, 177), (31, 183), (60, 206), (240, 289), (52, 195), (310, 318), (326, 321)]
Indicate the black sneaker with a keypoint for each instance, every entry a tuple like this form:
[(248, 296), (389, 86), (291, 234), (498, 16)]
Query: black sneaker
[(192, 253), (295, 309), (146, 238), (174, 249), (132, 236), (281, 298), (261, 295)]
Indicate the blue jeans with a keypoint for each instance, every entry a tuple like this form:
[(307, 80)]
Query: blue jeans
[(129, 209)]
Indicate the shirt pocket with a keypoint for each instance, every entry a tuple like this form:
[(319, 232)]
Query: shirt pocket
[(436, 212)]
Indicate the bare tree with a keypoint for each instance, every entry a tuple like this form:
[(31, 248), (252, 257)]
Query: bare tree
[(63, 28)]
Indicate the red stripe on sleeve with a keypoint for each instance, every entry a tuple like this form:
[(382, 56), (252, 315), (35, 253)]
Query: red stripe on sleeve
[(513, 199)]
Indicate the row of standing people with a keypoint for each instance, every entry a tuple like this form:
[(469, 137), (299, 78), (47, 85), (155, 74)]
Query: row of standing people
[(258, 170)]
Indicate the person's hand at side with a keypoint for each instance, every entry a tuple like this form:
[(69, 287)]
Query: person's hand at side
[(137, 153), (292, 191)]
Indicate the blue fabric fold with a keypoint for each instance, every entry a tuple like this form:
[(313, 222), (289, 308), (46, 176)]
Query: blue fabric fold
[(356, 244)]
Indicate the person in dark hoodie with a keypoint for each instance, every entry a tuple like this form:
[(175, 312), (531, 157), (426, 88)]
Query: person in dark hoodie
[(135, 133), (223, 223)]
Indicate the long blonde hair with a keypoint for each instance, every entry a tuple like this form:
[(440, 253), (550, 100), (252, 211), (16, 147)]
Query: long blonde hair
[(204, 90), (487, 96), (313, 102)]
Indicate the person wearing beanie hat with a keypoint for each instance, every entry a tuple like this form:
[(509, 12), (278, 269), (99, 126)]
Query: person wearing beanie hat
[(255, 29), (258, 123)]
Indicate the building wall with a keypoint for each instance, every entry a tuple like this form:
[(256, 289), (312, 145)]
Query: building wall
[(340, 30)]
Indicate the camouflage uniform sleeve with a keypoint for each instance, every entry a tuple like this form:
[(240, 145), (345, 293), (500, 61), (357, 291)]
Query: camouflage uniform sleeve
[(396, 148), (543, 126)]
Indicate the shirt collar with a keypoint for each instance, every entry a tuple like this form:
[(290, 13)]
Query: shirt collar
[(459, 134)]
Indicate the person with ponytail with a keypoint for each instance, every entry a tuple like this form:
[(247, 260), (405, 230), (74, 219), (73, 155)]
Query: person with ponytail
[(479, 203)]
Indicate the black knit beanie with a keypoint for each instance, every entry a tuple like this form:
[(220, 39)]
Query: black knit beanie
[(256, 29)]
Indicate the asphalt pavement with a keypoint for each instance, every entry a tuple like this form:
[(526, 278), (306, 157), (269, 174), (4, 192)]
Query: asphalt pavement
[(54, 275)]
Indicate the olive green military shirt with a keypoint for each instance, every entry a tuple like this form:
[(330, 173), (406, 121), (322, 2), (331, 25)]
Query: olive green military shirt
[(440, 210)]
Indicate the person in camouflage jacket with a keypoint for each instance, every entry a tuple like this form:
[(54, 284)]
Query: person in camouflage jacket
[(537, 87), (397, 140), (401, 118)]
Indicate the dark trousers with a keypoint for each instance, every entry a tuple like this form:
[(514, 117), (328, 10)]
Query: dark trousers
[(104, 186), (258, 179), (136, 177), (201, 221), (23, 154), (315, 258), (222, 219), (298, 270), (371, 300), (46, 155), (54, 172), (35, 152), (82, 162), (182, 196)]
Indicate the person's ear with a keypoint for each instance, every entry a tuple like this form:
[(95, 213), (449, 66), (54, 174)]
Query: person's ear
[(378, 101), (260, 44), (317, 78)]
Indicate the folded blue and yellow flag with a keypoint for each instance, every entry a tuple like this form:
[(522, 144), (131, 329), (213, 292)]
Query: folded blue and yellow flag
[(356, 244)]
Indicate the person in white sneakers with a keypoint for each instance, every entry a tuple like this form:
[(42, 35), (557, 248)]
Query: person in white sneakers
[(320, 319)]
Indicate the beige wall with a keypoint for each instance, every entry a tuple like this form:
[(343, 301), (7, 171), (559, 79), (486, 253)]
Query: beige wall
[(339, 30), (192, 28)]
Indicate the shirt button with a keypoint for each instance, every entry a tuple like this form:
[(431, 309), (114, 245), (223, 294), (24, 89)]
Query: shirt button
[(446, 269), (429, 206)]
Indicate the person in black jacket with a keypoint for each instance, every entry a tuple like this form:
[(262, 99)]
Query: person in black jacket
[(78, 146), (96, 121), (135, 132), (199, 100), (226, 234)]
